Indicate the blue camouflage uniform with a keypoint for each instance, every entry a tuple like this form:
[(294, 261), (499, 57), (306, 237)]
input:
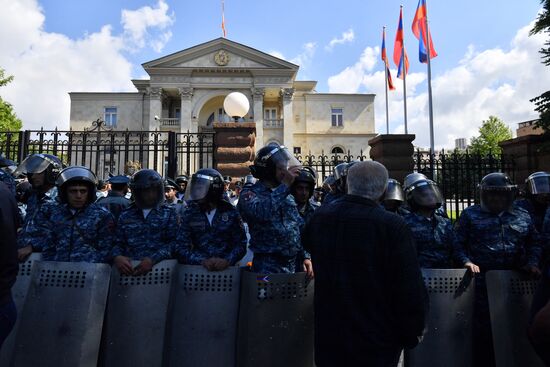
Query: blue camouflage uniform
[(274, 224), (306, 211), (34, 203), (434, 239), (7, 178), (199, 240), (114, 202), (153, 236), (537, 215), (493, 242), (65, 234)]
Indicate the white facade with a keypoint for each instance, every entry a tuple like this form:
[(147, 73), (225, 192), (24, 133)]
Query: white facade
[(186, 90)]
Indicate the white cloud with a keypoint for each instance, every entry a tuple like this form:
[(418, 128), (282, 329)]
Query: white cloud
[(350, 79), (146, 25), (48, 65), (346, 37), (495, 81), (303, 60)]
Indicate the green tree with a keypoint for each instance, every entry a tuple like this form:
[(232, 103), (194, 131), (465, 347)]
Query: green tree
[(8, 118), (542, 102), (491, 132)]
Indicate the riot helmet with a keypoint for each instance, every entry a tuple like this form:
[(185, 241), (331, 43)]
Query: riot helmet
[(206, 184), (147, 188), (497, 192), (412, 178), (537, 187), (307, 176), (38, 163), (272, 159), (394, 196), (424, 193), (76, 175)]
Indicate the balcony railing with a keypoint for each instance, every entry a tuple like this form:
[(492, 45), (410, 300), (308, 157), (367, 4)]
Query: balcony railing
[(274, 124), (169, 121)]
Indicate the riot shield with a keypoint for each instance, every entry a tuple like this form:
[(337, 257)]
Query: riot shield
[(510, 295), (61, 321), (203, 323), (448, 338), (135, 321), (19, 293), (275, 321)]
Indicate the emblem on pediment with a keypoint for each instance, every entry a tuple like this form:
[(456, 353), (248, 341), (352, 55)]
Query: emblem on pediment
[(221, 58)]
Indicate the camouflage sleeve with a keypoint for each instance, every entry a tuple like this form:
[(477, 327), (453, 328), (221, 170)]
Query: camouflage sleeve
[(165, 249), (238, 240), (534, 246), (460, 239), (183, 247), (252, 206), (546, 223), (119, 241), (38, 231), (106, 236)]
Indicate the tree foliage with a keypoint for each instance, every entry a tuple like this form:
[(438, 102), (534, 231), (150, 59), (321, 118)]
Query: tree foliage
[(8, 119), (491, 132), (542, 102)]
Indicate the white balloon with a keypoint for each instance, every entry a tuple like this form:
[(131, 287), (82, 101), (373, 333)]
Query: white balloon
[(236, 104)]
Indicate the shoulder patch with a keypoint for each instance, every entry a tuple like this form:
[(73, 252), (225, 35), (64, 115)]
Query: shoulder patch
[(247, 196)]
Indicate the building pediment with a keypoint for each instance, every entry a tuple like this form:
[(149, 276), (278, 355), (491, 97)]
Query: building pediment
[(218, 54)]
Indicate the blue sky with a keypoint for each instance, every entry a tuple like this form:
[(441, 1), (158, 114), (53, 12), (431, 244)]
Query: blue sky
[(285, 26), (487, 63)]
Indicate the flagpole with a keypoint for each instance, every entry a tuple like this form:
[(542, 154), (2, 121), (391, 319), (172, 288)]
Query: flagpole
[(386, 73), (430, 105), (404, 71)]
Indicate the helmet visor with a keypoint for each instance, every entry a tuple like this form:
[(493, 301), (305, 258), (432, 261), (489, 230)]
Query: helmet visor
[(198, 187), (539, 185), (427, 194), (35, 163), (282, 159)]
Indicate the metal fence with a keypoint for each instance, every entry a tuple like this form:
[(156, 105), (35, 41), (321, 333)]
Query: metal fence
[(108, 152), (324, 164), (458, 174)]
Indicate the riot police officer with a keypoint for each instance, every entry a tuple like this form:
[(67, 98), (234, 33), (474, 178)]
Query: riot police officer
[(116, 200), (271, 213), (302, 191), (537, 197), (182, 186), (338, 189), (147, 230), (495, 235), (41, 171), (5, 175), (75, 228), (211, 233), (171, 196), (393, 197), (432, 233)]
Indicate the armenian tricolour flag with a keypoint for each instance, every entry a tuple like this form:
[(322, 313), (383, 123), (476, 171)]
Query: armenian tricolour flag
[(386, 62), (420, 30), (400, 57)]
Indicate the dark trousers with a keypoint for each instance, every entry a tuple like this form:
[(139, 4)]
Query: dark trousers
[(8, 315), (383, 358)]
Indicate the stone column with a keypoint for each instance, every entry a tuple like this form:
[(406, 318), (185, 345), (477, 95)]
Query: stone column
[(258, 108), (288, 127), (186, 109), (529, 153), (155, 107), (234, 147), (395, 152)]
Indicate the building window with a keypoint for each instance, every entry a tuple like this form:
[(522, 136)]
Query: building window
[(297, 150), (337, 117), (337, 150), (110, 116), (270, 114)]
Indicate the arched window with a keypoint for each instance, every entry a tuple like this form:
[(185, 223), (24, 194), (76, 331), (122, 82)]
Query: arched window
[(337, 150)]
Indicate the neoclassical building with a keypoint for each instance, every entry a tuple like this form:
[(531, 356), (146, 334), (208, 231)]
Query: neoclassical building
[(186, 90)]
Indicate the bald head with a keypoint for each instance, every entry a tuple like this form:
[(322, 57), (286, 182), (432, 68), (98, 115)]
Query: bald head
[(367, 179)]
